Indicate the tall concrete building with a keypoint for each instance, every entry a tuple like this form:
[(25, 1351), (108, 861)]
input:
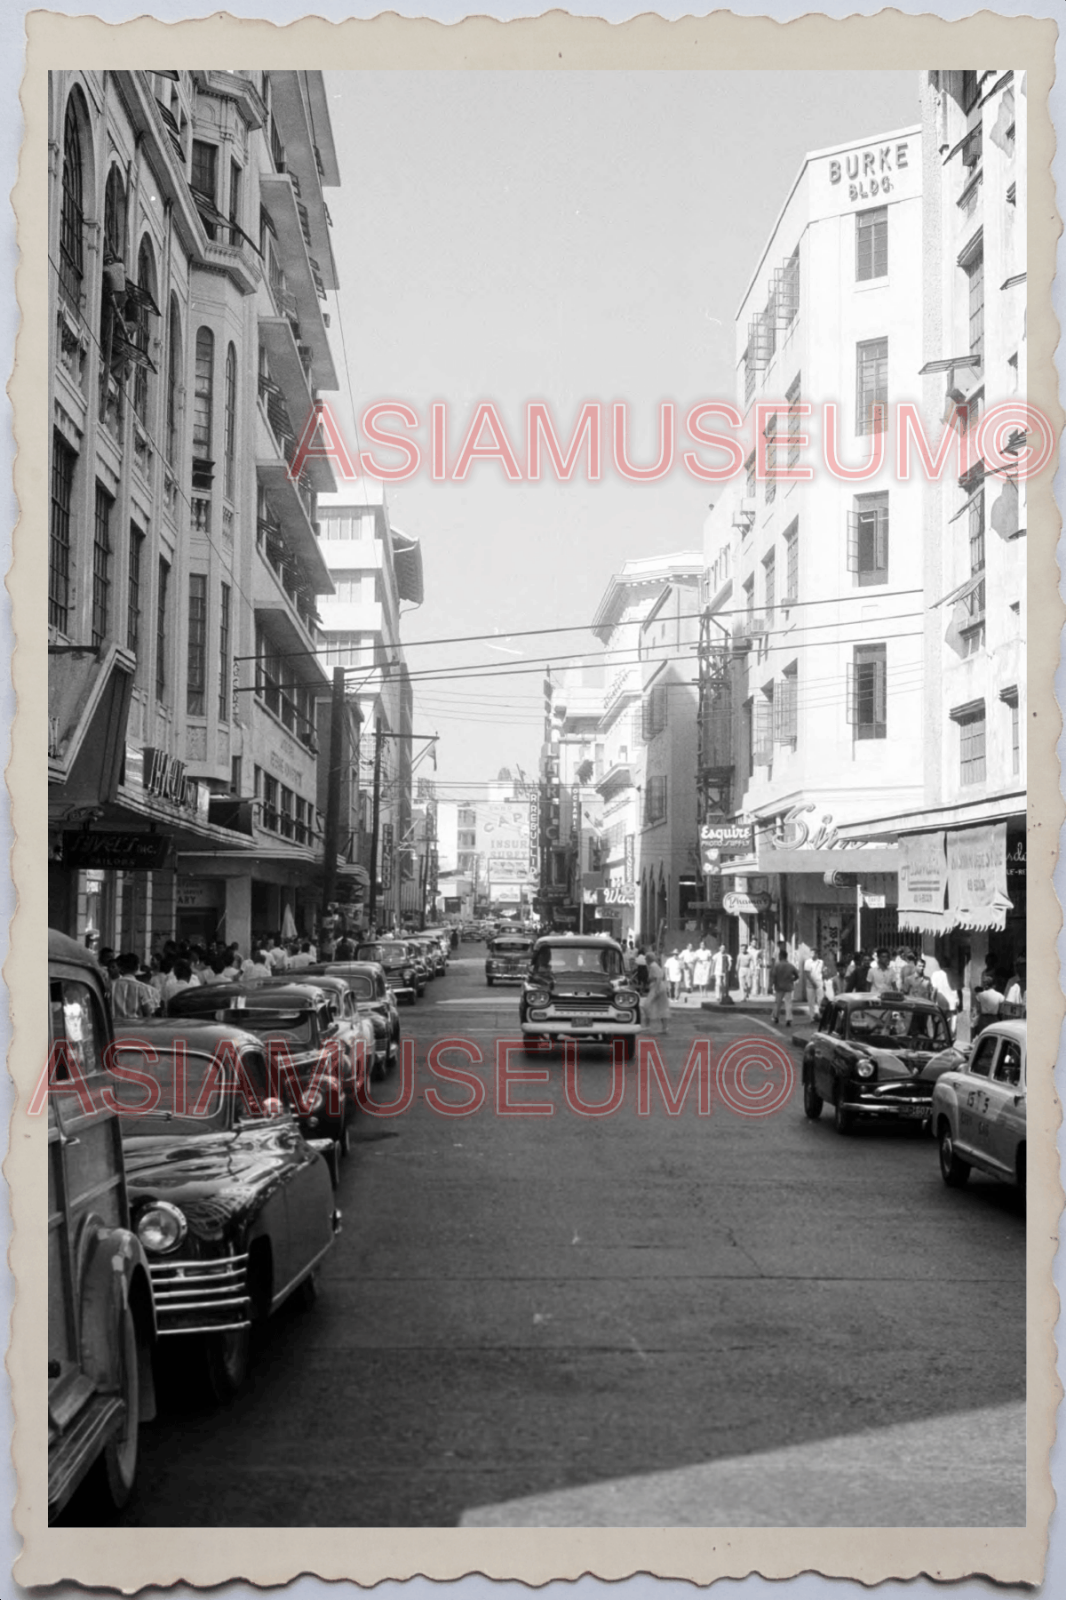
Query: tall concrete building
[(189, 242)]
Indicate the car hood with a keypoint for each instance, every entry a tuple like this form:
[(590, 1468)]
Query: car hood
[(926, 1065), (212, 1178), (576, 983)]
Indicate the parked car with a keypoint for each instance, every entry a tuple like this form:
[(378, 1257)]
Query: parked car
[(293, 1017), (576, 987), (374, 998), (371, 999), (430, 948), (101, 1314), (979, 1107), (507, 958), (233, 1207), (874, 1058), (353, 1027), (400, 970)]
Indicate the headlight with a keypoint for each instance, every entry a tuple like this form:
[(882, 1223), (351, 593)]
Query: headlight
[(408, 976), (161, 1228), (866, 1069), (537, 997), (625, 997)]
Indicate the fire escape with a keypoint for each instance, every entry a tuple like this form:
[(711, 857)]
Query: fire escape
[(714, 749)]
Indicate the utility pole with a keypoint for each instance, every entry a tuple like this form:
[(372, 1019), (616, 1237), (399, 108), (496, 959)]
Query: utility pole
[(333, 796), (376, 826)]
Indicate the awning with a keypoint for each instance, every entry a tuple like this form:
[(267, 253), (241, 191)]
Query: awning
[(963, 591), (860, 859), (352, 872), (407, 561), (89, 694)]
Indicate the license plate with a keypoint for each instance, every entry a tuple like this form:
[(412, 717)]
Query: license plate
[(916, 1111)]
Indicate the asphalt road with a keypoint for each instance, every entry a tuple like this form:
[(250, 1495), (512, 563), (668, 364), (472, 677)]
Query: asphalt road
[(523, 1304)]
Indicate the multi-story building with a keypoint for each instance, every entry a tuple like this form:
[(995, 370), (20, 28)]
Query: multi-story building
[(963, 845), (823, 669), (374, 568), (190, 252)]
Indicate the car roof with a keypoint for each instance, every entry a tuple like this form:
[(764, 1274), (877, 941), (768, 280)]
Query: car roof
[(307, 994), (581, 941), (63, 948), (1006, 1028), (891, 999), (362, 969), (197, 1036)]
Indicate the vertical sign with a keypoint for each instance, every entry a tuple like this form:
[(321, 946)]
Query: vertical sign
[(386, 857), (631, 857)]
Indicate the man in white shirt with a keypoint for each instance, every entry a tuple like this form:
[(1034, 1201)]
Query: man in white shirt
[(305, 956), (880, 976)]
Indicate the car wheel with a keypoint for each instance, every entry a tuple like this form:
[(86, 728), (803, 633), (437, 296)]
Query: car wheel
[(116, 1468), (488, 979), (629, 1045), (843, 1117), (812, 1102), (226, 1357), (531, 1045), (953, 1169)]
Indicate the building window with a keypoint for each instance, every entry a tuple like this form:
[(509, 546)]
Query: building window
[(1010, 700), (203, 181), (162, 603), (223, 654), (769, 567), (786, 707), (871, 244), (653, 712), (868, 538), (142, 304), (173, 382), (771, 459), (133, 590), (969, 90), (101, 565), (791, 563), (655, 801), (974, 267), (230, 442), (749, 471), (971, 723), (976, 529), (235, 176), (197, 656), (794, 429), (286, 817), (788, 289), (867, 672), (71, 221), (763, 732), (235, 777), (749, 599), (269, 811), (63, 459), (203, 400), (871, 386)]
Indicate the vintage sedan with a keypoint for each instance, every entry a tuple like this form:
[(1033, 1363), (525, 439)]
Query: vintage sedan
[(508, 958), (577, 987), (874, 1058), (290, 1018), (234, 1208), (401, 971), (374, 999), (979, 1107), (355, 1031)]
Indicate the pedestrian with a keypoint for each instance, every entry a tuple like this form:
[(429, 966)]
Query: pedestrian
[(881, 976), (656, 1004), (688, 967), (130, 998), (857, 977), (181, 976), (672, 969), (987, 1002), (720, 967), (783, 979), (1014, 994), (640, 972), (304, 957), (830, 972), (814, 982), (256, 968), (701, 970), (746, 971)]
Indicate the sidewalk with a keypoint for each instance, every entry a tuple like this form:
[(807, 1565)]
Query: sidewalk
[(756, 1005)]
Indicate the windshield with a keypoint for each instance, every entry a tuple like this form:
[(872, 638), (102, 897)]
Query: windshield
[(361, 988), (579, 958), (892, 1026), (292, 1026), (195, 1106), (511, 947)]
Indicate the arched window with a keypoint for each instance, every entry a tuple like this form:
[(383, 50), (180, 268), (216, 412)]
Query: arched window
[(173, 381), (230, 443), (71, 222), (203, 400), (114, 283), (140, 305)]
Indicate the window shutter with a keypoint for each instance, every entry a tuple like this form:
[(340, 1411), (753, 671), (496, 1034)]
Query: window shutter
[(853, 541), (880, 696), (645, 719), (849, 699), (881, 540), (764, 731)]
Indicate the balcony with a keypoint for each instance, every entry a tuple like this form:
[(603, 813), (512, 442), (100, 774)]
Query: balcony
[(277, 436), (287, 368), (289, 513), (618, 776), (286, 612), (303, 279)]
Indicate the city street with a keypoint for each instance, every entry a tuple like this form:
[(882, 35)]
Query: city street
[(525, 1304)]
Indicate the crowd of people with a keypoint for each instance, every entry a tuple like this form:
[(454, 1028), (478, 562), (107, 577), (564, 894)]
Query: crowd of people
[(821, 975), (142, 988)]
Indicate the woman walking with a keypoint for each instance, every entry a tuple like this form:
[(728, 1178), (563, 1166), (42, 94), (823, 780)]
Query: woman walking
[(656, 1006)]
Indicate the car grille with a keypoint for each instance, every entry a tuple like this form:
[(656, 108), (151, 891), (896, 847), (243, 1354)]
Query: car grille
[(201, 1296), (582, 1002)]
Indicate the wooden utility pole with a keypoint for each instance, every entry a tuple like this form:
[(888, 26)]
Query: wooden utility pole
[(333, 796), (375, 826)]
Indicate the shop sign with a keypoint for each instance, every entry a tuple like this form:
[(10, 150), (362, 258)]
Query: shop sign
[(161, 775), (617, 894), (1016, 859), (194, 894), (977, 877), (386, 857), (922, 875), (875, 902), (731, 838), (631, 857), (115, 852), (745, 905)]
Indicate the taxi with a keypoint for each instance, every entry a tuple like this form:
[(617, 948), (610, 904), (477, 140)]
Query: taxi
[(979, 1107)]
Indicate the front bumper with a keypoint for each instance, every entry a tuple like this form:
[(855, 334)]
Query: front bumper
[(505, 975), (888, 1106), (399, 990), (579, 1027)]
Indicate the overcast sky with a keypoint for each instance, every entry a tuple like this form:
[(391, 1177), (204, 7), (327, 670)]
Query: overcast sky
[(559, 236)]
